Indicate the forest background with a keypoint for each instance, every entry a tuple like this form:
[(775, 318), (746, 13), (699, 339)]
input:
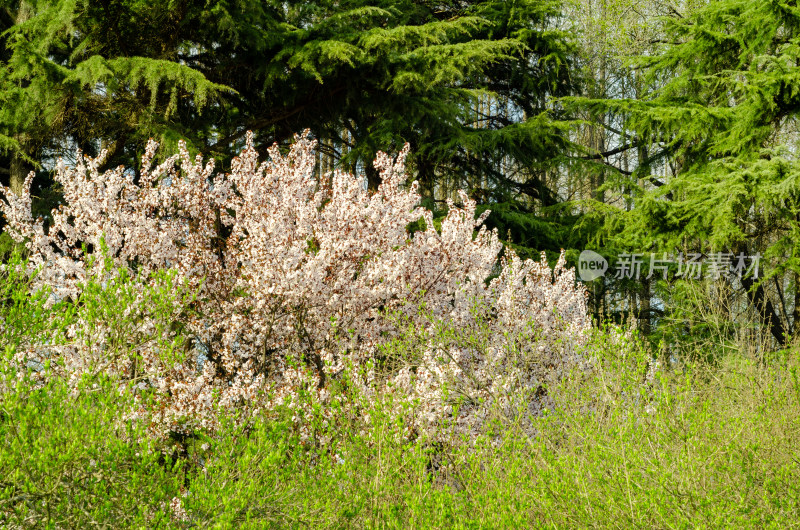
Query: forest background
[(619, 126)]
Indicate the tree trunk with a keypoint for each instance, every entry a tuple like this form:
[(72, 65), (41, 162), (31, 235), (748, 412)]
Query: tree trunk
[(644, 307), (425, 178), (373, 177), (796, 309), (18, 172), (766, 310)]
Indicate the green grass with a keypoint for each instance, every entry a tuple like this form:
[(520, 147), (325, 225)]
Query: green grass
[(716, 449)]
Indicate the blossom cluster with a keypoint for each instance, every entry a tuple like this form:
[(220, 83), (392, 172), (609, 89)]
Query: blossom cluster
[(289, 265)]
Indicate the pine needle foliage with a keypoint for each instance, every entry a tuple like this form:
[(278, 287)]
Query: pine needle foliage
[(362, 75), (721, 109), (724, 106)]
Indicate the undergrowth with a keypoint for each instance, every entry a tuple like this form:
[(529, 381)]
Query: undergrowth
[(623, 445)]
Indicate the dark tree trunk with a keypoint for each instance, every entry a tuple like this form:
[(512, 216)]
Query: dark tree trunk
[(17, 173), (373, 177), (769, 317), (796, 309), (424, 178)]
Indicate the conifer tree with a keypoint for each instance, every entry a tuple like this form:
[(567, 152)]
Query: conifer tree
[(722, 109), (363, 76)]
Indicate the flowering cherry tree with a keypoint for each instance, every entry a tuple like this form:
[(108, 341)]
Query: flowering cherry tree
[(289, 266)]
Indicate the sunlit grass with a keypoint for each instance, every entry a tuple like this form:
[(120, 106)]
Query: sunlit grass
[(692, 446)]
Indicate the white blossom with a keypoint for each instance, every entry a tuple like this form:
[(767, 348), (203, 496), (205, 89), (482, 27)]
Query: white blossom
[(290, 265)]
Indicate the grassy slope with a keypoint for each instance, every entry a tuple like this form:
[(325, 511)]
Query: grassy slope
[(700, 447)]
